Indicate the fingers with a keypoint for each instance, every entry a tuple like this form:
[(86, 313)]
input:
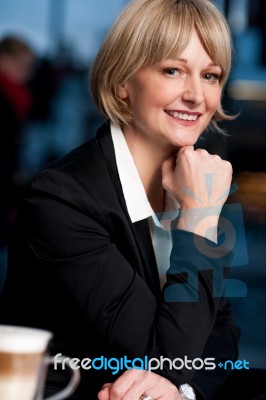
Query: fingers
[(129, 386), (169, 166), (104, 394), (197, 179), (168, 169), (163, 389), (133, 383), (186, 149)]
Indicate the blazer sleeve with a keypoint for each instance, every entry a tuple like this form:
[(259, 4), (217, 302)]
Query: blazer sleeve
[(67, 234)]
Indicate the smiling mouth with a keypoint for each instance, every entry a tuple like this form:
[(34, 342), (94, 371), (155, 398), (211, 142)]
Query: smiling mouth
[(183, 116)]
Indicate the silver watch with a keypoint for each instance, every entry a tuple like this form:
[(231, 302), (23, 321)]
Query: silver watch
[(187, 392)]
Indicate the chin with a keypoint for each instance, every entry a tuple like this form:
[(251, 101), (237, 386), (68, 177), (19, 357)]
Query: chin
[(185, 138), (186, 142)]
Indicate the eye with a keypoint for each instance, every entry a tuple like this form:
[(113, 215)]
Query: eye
[(211, 77), (171, 72)]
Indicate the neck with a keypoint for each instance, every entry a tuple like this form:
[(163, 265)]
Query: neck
[(148, 160)]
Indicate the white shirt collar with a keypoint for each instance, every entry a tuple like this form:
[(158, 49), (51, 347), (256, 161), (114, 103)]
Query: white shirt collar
[(136, 199), (138, 205)]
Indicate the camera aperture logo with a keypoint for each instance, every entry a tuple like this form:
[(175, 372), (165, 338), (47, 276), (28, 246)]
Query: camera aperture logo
[(231, 241), (117, 365)]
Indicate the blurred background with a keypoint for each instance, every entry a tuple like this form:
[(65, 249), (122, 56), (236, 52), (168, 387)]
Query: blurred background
[(50, 112)]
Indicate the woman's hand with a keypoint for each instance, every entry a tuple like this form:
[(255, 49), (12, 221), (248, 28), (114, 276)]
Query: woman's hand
[(200, 182), (133, 383)]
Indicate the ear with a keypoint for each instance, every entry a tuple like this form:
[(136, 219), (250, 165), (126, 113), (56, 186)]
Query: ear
[(121, 91)]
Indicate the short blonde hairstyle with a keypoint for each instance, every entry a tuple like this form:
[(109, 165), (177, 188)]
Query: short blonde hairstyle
[(147, 32)]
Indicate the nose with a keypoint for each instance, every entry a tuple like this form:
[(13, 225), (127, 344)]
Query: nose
[(193, 91)]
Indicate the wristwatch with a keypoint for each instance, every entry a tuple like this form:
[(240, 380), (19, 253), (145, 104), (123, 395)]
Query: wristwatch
[(187, 392)]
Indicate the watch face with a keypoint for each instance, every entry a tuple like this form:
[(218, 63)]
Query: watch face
[(187, 392)]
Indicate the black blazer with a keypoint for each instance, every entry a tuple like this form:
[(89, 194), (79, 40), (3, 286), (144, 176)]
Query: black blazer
[(79, 267)]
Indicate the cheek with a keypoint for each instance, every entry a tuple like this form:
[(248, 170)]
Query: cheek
[(142, 99), (213, 100)]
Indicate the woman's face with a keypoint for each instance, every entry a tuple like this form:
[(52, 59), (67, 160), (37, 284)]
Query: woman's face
[(173, 101)]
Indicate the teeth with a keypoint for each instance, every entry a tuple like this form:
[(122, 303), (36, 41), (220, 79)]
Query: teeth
[(185, 117)]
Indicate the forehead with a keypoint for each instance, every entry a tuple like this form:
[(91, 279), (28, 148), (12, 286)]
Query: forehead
[(195, 48), (173, 46), (194, 51)]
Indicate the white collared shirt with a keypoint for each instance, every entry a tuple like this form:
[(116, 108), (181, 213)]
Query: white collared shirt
[(138, 205)]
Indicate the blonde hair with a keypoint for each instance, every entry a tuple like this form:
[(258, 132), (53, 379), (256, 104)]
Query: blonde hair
[(147, 32)]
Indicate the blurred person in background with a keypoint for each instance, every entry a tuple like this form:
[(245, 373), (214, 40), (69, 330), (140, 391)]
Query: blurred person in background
[(17, 60)]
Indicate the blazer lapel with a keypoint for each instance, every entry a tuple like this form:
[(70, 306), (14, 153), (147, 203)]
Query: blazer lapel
[(140, 229)]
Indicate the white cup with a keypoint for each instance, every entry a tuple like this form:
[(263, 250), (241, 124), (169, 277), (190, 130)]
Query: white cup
[(24, 362)]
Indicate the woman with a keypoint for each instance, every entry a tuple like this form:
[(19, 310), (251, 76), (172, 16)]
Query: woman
[(84, 255)]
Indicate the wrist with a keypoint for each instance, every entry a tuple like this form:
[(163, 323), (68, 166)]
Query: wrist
[(200, 221)]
